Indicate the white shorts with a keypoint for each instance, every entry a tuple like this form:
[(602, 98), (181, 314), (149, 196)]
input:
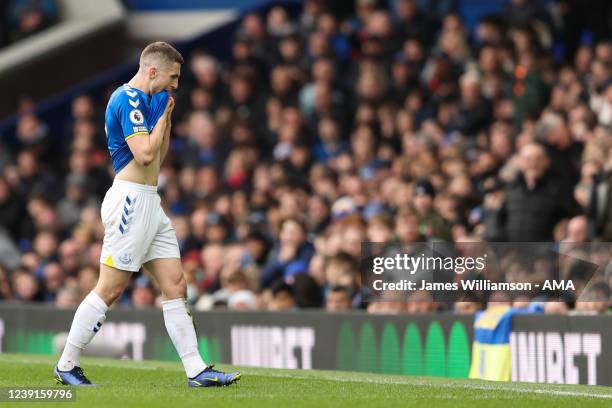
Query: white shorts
[(136, 229)]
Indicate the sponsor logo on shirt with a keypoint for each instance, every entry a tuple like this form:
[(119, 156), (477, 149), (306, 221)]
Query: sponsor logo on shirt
[(136, 117)]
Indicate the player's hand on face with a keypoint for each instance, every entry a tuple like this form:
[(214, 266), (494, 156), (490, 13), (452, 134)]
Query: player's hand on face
[(170, 105)]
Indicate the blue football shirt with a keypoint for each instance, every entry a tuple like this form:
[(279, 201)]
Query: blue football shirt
[(130, 112)]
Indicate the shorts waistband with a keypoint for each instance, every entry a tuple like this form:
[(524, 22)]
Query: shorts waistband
[(143, 188)]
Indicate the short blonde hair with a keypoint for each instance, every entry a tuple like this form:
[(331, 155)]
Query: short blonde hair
[(161, 51)]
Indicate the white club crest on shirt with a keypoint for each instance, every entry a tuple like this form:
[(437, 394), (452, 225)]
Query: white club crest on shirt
[(136, 117)]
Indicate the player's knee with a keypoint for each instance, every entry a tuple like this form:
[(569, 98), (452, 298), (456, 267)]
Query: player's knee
[(181, 287), (109, 294), (178, 289)]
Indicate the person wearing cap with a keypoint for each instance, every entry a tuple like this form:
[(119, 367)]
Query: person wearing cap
[(431, 224)]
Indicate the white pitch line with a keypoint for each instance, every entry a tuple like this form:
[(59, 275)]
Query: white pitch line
[(540, 391), (508, 387)]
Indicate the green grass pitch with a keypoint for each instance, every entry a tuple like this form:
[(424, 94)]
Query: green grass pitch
[(153, 384)]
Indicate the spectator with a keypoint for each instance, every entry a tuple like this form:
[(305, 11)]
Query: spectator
[(5, 287), (341, 269), (291, 247), (559, 308), (331, 145), (534, 202), (33, 135), (202, 148), (25, 286), (467, 307), (594, 300), (421, 302), (521, 12), (76, 199), (32, 179), (577, 230), (474, 112), (12, 210), (53, 277), (143, 295), (217, 229), (242, 300), (411, 22), (213, 261), (338, 299), (87, 278), (307, 291), (468, 304), (380, 229), (431, 223), (30, 16), (564, 155), (529, 89), (68, 297), (283, 297), (600, 207), (371, 126), (232, 280), (407, 228)]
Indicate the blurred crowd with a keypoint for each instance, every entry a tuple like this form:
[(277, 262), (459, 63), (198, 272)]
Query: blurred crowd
[(390, 124), (22, 18)]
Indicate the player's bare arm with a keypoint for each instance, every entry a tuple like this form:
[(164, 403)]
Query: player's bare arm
[(146, 149), (166, 139)]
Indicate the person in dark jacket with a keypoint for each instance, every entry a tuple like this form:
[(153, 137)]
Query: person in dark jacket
[(474, 111), (12, 209), (534, 202), (554, 134), (600, 207)]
